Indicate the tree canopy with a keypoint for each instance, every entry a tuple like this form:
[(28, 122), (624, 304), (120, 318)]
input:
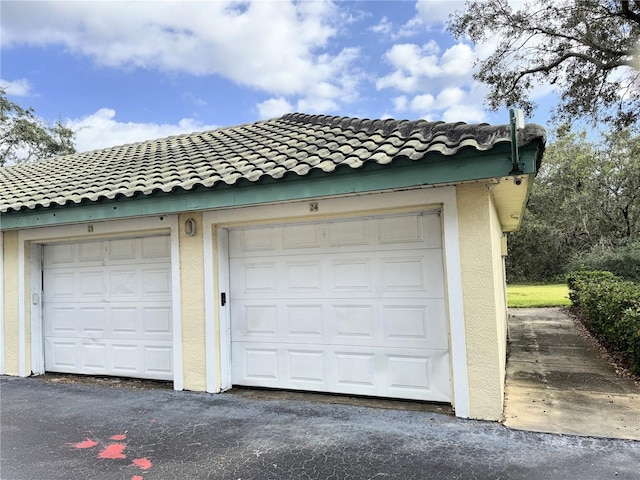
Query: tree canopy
[(588, 50), (586, 198), (24, 137)]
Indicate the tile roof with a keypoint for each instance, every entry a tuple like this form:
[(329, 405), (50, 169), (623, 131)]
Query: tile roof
[(293, 144)]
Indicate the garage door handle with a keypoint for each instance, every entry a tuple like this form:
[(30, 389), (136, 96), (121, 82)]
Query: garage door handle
[(223, 299)]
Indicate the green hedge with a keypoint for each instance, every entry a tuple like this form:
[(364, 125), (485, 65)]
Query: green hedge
[(611, 307)]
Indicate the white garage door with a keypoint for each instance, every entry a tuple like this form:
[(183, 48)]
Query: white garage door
[(352, 306), (107, 308)]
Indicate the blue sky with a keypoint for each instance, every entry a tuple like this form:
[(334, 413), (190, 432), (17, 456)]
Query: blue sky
[(125, 71)]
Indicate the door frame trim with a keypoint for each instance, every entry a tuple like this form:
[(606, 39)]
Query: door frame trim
[(354, 206), (30, 321)]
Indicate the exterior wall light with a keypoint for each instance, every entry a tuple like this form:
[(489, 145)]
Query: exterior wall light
[(190, 227)]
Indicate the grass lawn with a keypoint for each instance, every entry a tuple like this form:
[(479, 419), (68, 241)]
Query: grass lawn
[(538, 295)]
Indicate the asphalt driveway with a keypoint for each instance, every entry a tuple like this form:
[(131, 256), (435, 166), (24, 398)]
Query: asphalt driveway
[(90, 431)]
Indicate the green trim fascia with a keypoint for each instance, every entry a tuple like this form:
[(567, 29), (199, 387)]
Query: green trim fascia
[(403, 173)]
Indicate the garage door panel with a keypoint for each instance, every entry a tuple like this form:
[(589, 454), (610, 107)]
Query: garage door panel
[(139, 283), (59, 254), (379, 322), (126, 359), (109, 357), (90, 252), (350, 306), (400, 229), (134, 322), (301, 236), (257, 240), (258, 277), (154, 248), (94, 356), (156, 321), (403, 274), (277, 323), (107, 307), (353, 323), (340, 275), (73, 285), (304, 276), (125, 320), (158, 361), (305, 321), (351, 275), (90, 283), (123, 249), (59, 285), (306, 366), (260, 363), (405, 323), (107, 283), (155, 282), (388, 233), (256, 320), (352, 233), (417, 374), (123, 284), (94, 320), (356, 370), (61, 355), (407, 274)]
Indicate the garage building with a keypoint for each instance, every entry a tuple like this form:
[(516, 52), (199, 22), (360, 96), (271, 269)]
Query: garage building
[(307, 252)]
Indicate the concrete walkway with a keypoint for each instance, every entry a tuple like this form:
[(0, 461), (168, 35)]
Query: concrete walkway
[(557, 381)]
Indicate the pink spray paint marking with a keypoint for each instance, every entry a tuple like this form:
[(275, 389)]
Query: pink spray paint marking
[(136, 477), (88, 443), (118, 437), (113, 451), (143, 463)]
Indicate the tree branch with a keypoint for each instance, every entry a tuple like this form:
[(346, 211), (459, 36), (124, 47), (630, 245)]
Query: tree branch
[(547, 68), (582, 41), (628, 13)]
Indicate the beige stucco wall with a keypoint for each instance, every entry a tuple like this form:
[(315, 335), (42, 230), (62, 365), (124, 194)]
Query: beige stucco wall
[(10, 287), (480, 258), (192, 303)]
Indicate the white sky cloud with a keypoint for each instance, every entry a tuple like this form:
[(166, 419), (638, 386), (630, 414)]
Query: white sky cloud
[(430, 15), (101, 130), (384, 27), (434, 83), (465, 113), (274, 107), (450, 97), (400, 103), (436, 12), (275, 46), (417, 67), (17, 88), (422, 102)]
